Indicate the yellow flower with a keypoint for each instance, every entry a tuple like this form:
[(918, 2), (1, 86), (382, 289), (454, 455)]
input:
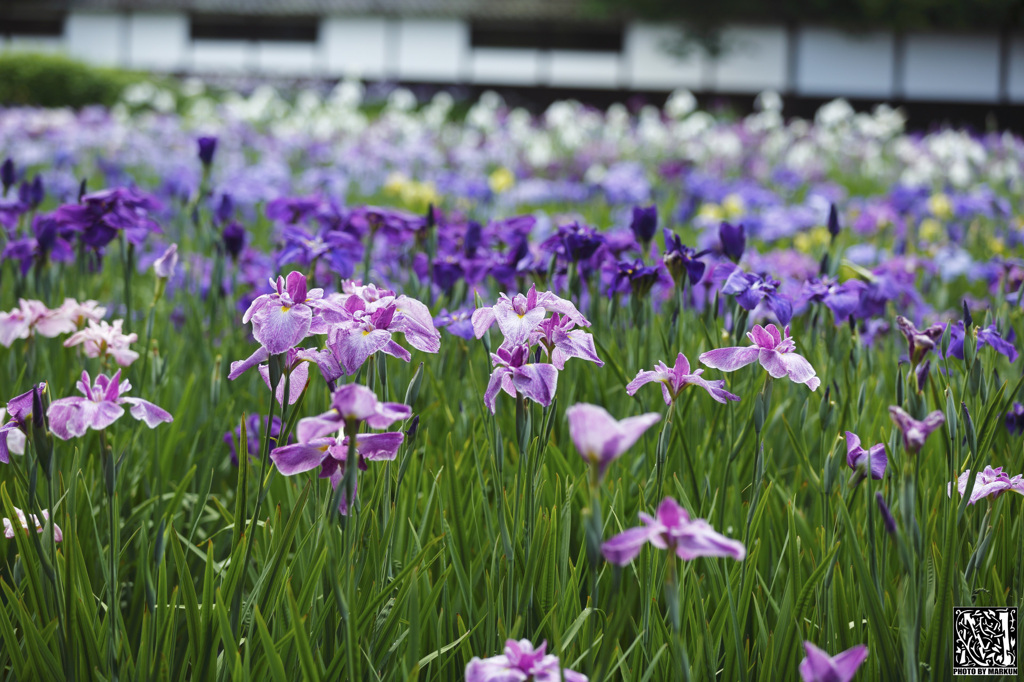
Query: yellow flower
[(812, 240), (996, 245), (930, 230), (940, 206), (734, 205), (501, 180), (712, 212), (395, 183)]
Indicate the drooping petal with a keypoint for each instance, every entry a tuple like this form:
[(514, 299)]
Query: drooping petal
[(536, 381), (147, 412), (700, 539), (773, 362), (729, 359), (376, 446), (848, 661), (626, 546), (387, 414), (800, 370), (297, 381), (643, 377), (574, 344), (482, 319), (494, 386), (300, 457), (240, 366), (353, 346), (279, 328)]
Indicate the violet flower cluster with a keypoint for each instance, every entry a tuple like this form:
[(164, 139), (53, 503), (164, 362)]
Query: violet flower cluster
[(523, 321)]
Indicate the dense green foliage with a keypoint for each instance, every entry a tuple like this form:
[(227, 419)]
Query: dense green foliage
[(52, 80)]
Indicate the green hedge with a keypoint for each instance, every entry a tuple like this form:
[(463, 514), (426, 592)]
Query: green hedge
[(49, 80)]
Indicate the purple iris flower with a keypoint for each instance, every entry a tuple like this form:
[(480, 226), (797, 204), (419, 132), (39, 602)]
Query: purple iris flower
[(733, 239), (915, 432), (225, 209), (842, 299), (600, 438), (234, 239), (342, 249), (818, 666), (750, 290), (366, 321), (58, 536), (519, 316), (644, 223), (1015, 419), (521, 662), (296, 369), (8, 175), (458, 323), (575, 242), (681, 260), (282, 319), (990, 482), (165, 265), (512, 373), (557, 336), (833, 221), (207, 147), (101, 407), (887, 520), (32, 193), (320, 443), (920, 342), (863, 462), (640, 278), (253, 434), (19, 411), (988, 336), (673, 530), (773, 350), (674, 379), (101, 216)]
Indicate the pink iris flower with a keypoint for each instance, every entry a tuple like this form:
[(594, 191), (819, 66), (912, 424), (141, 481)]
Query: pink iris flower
[(512, 373), (872, 460), (671, 529), (988, 482), (9, 527), (674, 379), (820, 667), (521, 662), (101, 407), (600, 438), (773, 350), (518, 317)]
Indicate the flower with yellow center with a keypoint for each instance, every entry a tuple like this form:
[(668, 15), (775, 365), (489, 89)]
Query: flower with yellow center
[(940, 206), (711, 212), (734, 206), (501, 180), (930, 230)]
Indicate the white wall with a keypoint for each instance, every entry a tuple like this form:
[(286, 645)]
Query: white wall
[(355, 46), (158, 41), (287, 58), (1015, 84), (650, 65), (572, 68), (434, 50), (755, 60), (828, 63), (223, 56), (831, 63), (98, 37), (500, 66), (952, 67)]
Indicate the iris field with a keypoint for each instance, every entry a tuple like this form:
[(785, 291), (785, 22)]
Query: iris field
[(626, 395)]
